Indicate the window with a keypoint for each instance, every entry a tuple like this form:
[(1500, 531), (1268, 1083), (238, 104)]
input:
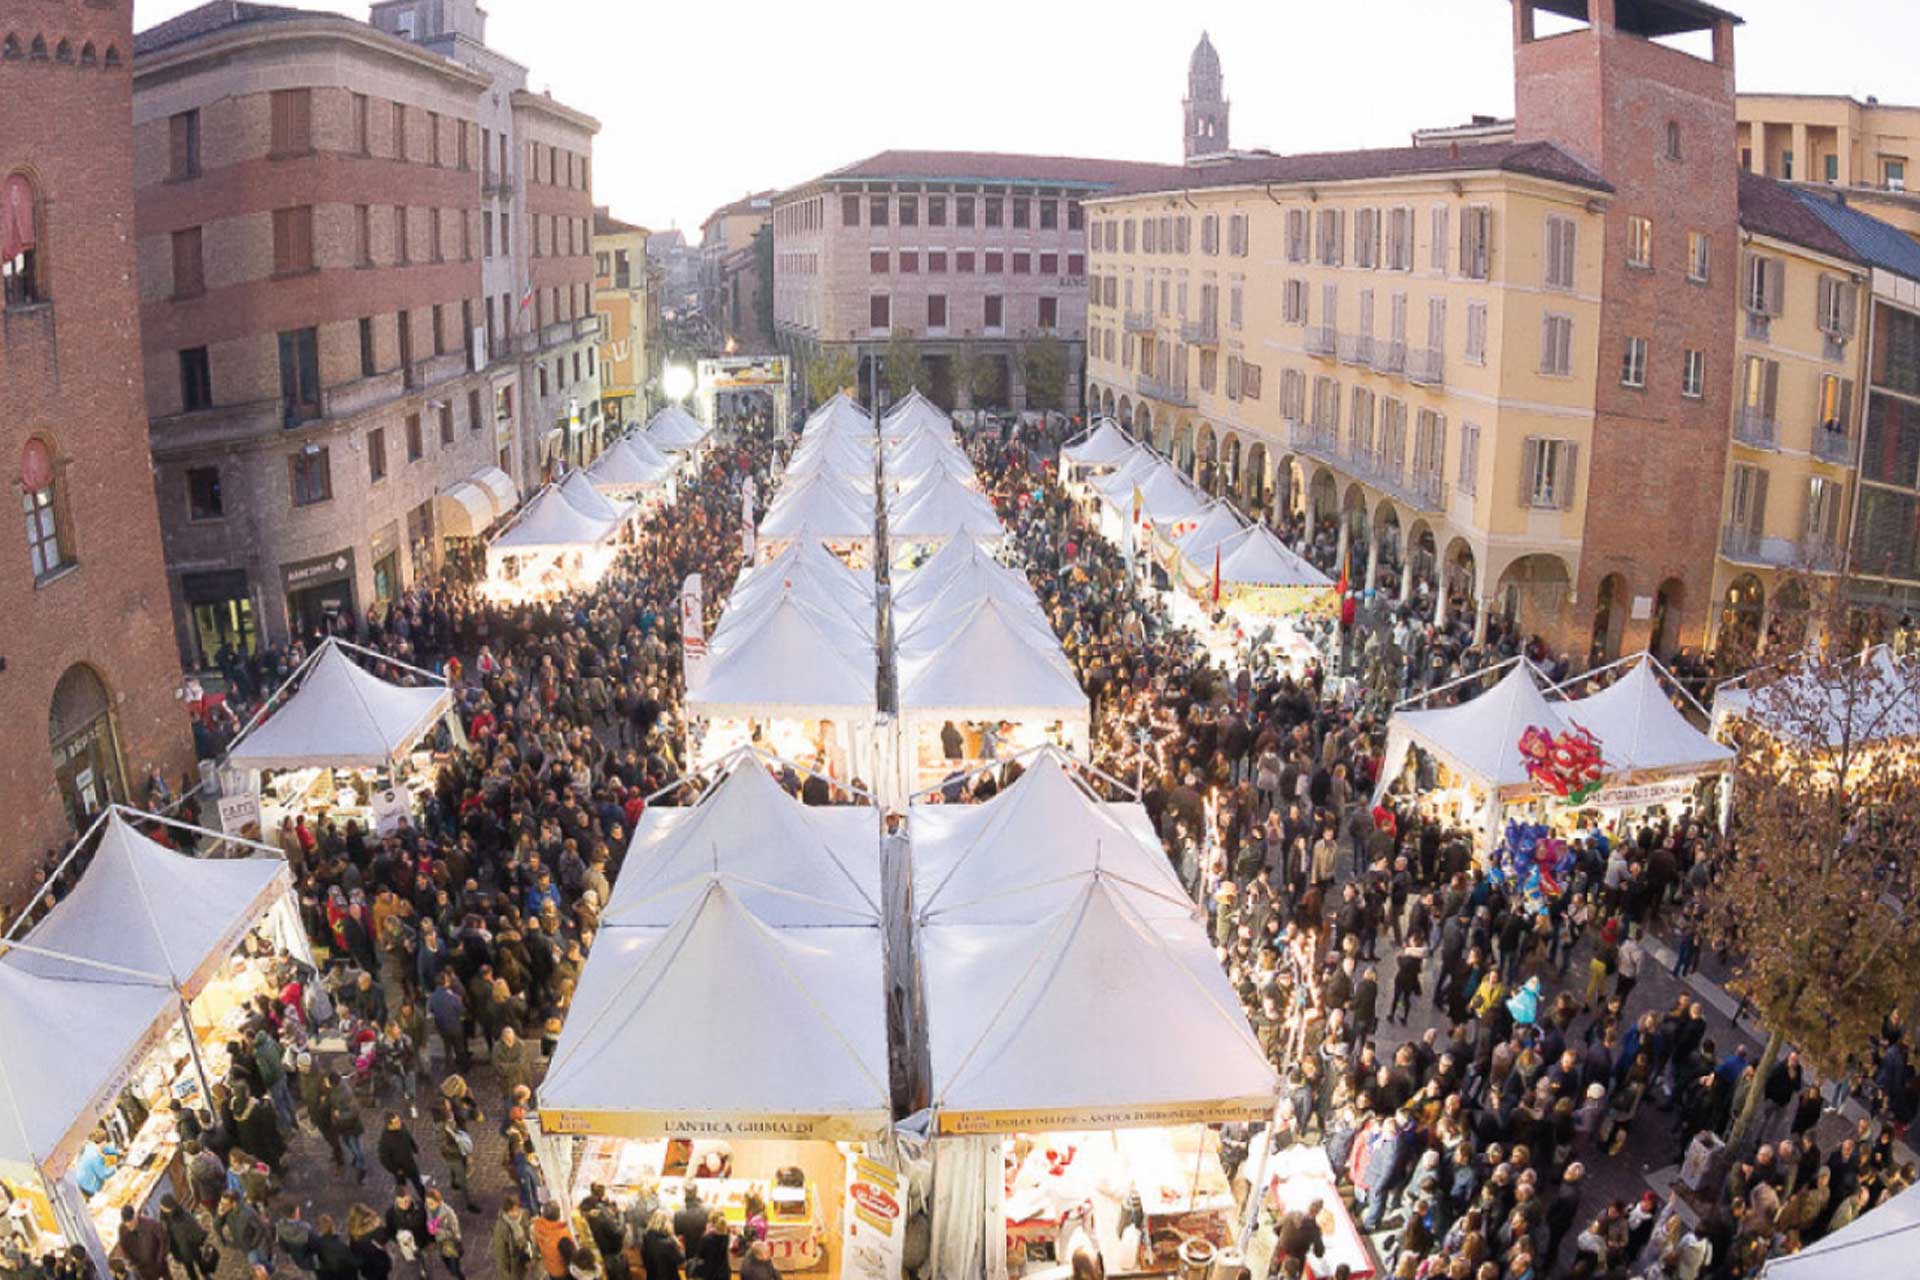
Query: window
[(1699, 256), (1832, 167), (439, 329), (963, 212), (1476, 352), (433, 138), (1839, 302), (1476, 242), (1556, 346), (936, 211), (400, 136), (993, 212), (1049, 215), (1765, 285), (203, 494), (1049, 312), (1022, 212), (377, 455), (1440, 216), (1249, 381), (1076, 265), (1833, 412), (473, 411), (196, 380), (995, 311), (1210, 234), (1049, 264), (299, 375), (909, 211), (877, 262), (1469, 473), (416, 446), (1296, 235), (1233, 377), (1673, 139), (1240, 241), (1759, 393), (402, 240), (963, 261), (1786, 165), (292, 122), (877, 211), (936, 311), (1693, 374), (1893, 174), (1366, 238), (1639, 242), (368, 365), (1127, 237), (41, 507), (1824, 496), (1332, 233), (994, 262), (1022, 263), (909, 262), (189, 275), (1547, 472), (1399, 240), (1293, 302), (1209, 368), (311, 475), (936, 262), (293, 240), (183, 138), (849, 211), (1747, 503), (1235, 294), (879, 313), (1633, 363), (1560, 248)]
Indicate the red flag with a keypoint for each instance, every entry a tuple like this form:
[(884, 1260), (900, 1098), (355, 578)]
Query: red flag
[(1341, 587), (1216, 574)]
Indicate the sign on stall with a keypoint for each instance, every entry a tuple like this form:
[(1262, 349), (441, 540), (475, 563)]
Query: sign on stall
[(240, 815), (693, 629), (1642, 796), (872, 1238), (390, 808), (1223, 1111)]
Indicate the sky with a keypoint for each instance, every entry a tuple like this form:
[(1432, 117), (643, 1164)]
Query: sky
[(699, 106)]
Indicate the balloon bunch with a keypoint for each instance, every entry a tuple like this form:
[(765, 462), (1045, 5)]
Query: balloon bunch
[(1532, 863), (1568, 764)]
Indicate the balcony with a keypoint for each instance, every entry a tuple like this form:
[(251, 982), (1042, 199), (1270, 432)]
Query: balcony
[(1139, 321), (496, 184), (1314, 438), (1749, 546), (1832, 446), (553, 335), (1171, 393), (1390, 357), (1356, 348), (1755, 427), (588, 326), (1322, 340), (1423, 490), (1426, 366), (1204, 332)]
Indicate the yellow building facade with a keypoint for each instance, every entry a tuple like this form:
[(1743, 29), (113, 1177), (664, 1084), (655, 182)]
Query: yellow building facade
[(1405, 361), (626, 291), (1836, 140)]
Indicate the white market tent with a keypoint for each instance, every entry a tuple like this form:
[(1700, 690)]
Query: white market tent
[(992, 668), (1869, 700), (1257, 557), (1640, 730), (846, 631), (144, 907), (941, 508), (916, 589), (556, 521), (822, 506), (915, 413), (631, 464), (1117, 485), (1009, 860), (837, 459), (1879, 1245), (789, 666), (1218, 524), (674, 430), (341, 717), (814, 573), (843, 415), (1170, 498), (932, 621), (1479, 740), (772, 1032), (1105, 446)]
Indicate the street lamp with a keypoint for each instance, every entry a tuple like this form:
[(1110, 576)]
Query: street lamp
[(677, 381)]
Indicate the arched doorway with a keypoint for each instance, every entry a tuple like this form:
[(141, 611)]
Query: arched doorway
[(1459, 584), (1532, 591), (1201, 465), (1357, 523), (1126, 416), (86, 750), (1143, 421), (1253, 483), (1106, 402), (1669, 603), (1391, 562), (1180, 447), (1227, 476), (1739, 635), (1792, 611), (1421, 560), (1609, 620)]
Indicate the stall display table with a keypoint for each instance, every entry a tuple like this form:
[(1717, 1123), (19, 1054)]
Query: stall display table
[(1296, 1178)]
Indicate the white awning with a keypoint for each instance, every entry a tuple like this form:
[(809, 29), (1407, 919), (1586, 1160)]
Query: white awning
[(466, 510), (500, 487)]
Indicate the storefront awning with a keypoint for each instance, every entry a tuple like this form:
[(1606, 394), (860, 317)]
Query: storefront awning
[(465, 510), (500, 487)]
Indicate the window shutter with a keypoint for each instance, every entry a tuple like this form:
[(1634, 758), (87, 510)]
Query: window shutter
[(1553, 252), (1757, 504), (1564, 483), (1826, 305), (1547, 340), (1529, 469), (1776, 286), (1844, 409), (1772, 387), (1849, 307), (1748, 281)]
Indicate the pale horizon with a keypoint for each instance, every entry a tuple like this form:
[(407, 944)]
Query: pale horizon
[(695, 115)]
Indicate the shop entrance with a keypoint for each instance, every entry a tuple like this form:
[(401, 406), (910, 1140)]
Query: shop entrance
[(86, 752), (318, 591), (220, 606)]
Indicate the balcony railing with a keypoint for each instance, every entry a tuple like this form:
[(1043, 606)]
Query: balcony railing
[(1389, 357), (1748, 546), (1755, 427), (1171, 393), (1139, 321), (1315, 438), (1322, 340), (1202, 332), (588, 326), (1356, 348), (1426, 366), (1832, 446)]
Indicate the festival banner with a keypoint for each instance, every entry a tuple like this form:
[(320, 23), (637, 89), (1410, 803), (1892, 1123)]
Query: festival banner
[(873, 1230), (693, 629)]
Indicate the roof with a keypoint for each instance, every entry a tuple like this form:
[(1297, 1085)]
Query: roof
[(760, 202), (1876, 243), (1537, 159), (605, 224), (1648, 17), (1205, 61), (999, 166), (219, 15), (1771, 208)]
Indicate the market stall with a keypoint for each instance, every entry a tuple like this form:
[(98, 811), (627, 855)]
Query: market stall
[(675, 431), (565, 538), (825, 508), (1263, 578), (915, 413), (1147, 491), (1867, 702), (1189, 558), (805, 567), (632, 468), (1880, 1244), (1049, 924), (1655, 757), (752, 918), (118, 1006), (1095, 453), (931, 513), (340, 738), (468, 508)]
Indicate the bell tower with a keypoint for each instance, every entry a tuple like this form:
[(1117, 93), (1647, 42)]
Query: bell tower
[(1205, 105)]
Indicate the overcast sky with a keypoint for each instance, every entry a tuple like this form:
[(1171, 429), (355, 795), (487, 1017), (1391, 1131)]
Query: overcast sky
[(699, 105)]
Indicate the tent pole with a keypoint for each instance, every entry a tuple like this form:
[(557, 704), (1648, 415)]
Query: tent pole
[(142, 815), (72, 853), (1257, 1190), (193, 1045), (1482, 672), (273, 698)]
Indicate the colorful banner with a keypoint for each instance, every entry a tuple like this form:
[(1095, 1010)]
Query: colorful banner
[(1637, 797), (693, 630), (1223, 1111), (851, 1127), (873, 1221)]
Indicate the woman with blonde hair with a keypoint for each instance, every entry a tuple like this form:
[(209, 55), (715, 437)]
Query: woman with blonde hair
[(660, 1251)]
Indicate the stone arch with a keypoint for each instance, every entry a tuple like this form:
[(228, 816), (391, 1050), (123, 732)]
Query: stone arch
[(81, 735), (88, 55), (1227, 477), (9, 47), (63, 52), (1611, 605), (1669, 607), (1180, 445), (1420, 558), (1106, 402), (1206, 452), (1792, 611), (1532, 591), (1254, 480), (1143, 421), (1163, 436), (1093, 400), (37, 51), (1459, 579), (1738, 637), (1389, 563), (1323, 499), (1126, 415), (113, 57)]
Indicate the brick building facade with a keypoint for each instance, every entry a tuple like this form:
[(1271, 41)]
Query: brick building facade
[(88, 680)]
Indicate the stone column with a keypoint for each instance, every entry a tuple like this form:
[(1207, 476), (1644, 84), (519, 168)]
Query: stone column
[(1340, 556), (1802, 162), (1482, 607), (1373, 562), (1757, 143), (1406, 576), (1440, 598)]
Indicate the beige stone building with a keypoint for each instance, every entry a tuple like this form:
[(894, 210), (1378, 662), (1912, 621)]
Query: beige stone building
[(1865, 146), (730, 269), (626, 294)]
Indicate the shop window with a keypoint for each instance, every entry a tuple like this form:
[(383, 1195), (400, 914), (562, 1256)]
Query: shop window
[(85, 754)]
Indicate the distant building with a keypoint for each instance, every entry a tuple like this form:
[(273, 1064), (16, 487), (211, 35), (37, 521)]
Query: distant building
[(1205, 108), (626, 293), (679, 265), (1837, 141), (973, 256), (731, 275), (88, 676)]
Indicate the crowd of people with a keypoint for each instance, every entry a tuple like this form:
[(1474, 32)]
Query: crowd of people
[(1527, 1056)]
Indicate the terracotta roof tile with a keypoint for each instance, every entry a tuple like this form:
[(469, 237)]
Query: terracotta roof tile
[(998, 166), (1538, 159), (1771, 208)]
